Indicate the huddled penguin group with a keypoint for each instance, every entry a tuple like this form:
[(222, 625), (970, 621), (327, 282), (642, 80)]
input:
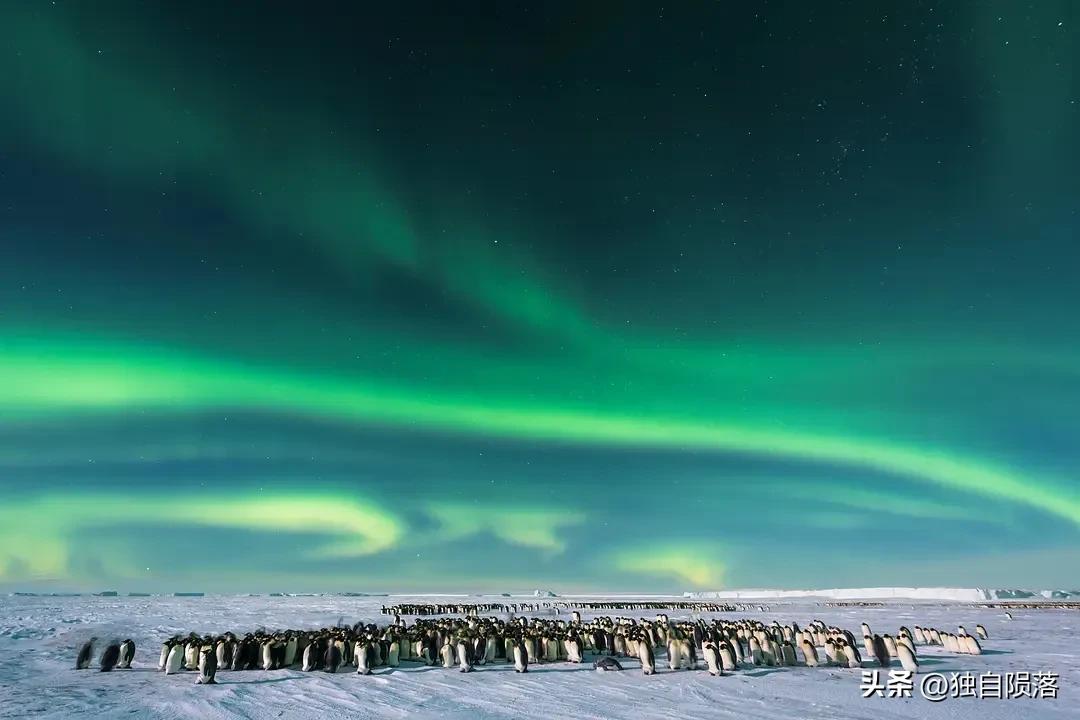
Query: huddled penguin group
[(468, 642)]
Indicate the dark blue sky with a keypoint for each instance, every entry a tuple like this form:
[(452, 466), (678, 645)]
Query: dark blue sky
[(588, 296)]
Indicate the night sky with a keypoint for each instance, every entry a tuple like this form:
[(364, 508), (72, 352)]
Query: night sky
[(495, 296)]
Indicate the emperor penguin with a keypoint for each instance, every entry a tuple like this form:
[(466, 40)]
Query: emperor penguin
[(606, 664), (521, 657), (854, 660), (165, 648), (830, 652), (267, 655), (110, 656), (362, 657), (981, 632), (880, 651), (311, 652), (736, 647), (508, 648), (240, 652), (220, 648), (332, 659), (176, 657), (648, 660), (890, 645), (393, 654), (907, 658), (906, 641), (86, 653), (1008, 615), (971, 645), (127, 653), (291, 646), (191, 654), (688, 654), (573, 649), (728, 659), (463, 656), (788, 653), (447, 653), (575, 617), (430, 650), (920, 636), (839, 654), (674, 654), (756, 655), (712, 659), (551, 648), (809, 653), (774, 656), (866, 630), (207, 667)]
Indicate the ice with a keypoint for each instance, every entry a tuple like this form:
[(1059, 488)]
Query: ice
[(40, 636), (906, 593)]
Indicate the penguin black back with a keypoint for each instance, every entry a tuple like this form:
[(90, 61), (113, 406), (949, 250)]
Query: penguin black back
[(86, 653), (332, 658), (880, 651), (110, 657)]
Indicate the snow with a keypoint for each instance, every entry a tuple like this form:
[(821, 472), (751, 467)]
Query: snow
[(40, 636), (882, 593)]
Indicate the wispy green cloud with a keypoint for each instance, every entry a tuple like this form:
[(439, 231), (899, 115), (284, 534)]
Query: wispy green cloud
[(696, 564), (37, 532), (537, 527)]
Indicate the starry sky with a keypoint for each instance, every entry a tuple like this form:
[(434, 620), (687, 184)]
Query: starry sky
[(495, 296)]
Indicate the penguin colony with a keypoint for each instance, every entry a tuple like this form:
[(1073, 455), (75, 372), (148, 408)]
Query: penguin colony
[(466, 643), (479, 608)]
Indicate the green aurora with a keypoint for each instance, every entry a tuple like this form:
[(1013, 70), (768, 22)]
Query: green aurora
[(399, 301)]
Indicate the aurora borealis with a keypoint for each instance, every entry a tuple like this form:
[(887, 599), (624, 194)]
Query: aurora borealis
[(582, 296)]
